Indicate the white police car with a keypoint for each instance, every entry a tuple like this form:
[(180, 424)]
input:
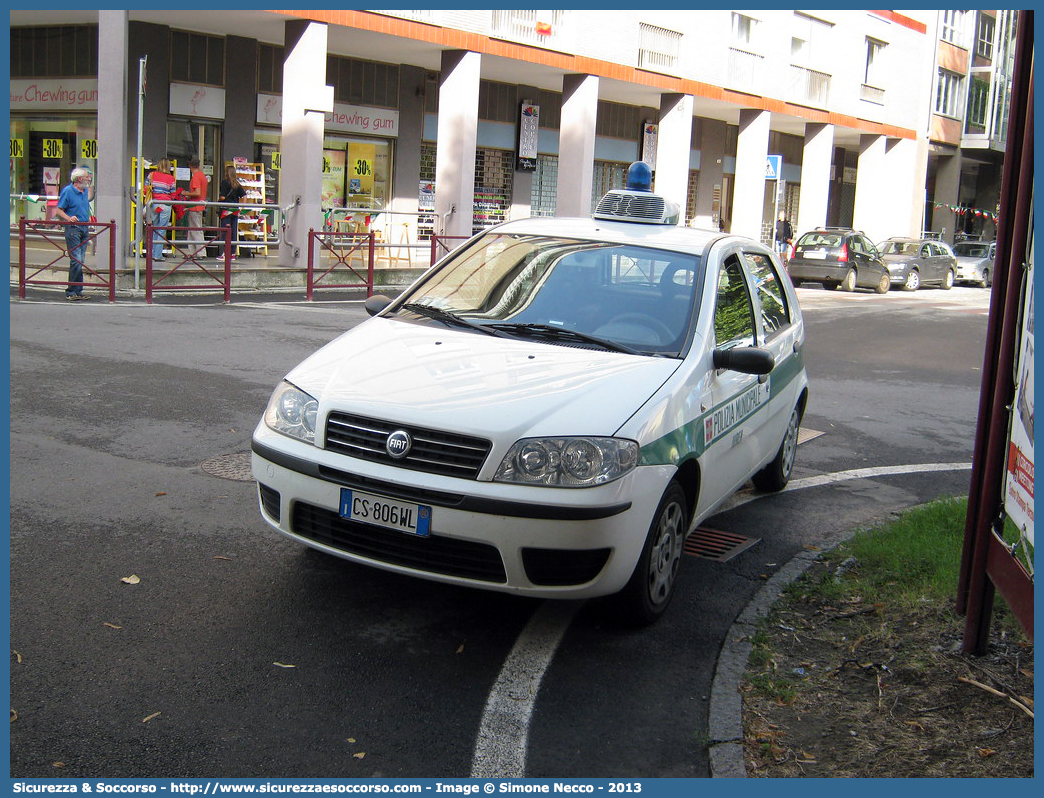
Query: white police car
[(548, 410)]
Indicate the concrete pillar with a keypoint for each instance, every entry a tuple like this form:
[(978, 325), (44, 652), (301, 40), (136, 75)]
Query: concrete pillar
[(306, 99), (947, 192), (709, 199), (751, 152), (522, 184), (673, 148), (872, 195), (406, 175), (457, 137), (112, 179), (816, 158), (237, 134), (576, 145), (906, 166)]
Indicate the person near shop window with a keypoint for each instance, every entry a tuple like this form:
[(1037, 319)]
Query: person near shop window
[(784, 236), (74, 209), (197, 190), (161, 181), (231, 190)]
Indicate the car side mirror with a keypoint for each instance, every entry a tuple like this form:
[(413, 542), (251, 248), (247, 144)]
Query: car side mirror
[(744, 359), (376, 303)]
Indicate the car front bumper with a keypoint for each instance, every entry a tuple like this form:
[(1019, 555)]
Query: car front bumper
[(537, 541)]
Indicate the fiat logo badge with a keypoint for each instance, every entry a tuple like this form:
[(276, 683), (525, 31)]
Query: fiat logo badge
[(398, 444)]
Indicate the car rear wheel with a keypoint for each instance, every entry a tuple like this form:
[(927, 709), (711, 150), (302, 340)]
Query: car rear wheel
[(651, 586), (883, 284), (913, 281), (775, 476), (849, 283), (948, 280)]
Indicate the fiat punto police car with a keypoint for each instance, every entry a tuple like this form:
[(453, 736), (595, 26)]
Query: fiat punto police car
[(548, 411)]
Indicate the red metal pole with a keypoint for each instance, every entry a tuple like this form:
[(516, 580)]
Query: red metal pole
[(148, 263), (369, 271), (21, 257), (112, 260), (434, 245), (228, 264), (311, 252)]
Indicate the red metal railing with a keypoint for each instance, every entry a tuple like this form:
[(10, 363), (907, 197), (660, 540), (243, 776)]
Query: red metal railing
[(189, 252), (45, 230), (438, 248), (342, 248)]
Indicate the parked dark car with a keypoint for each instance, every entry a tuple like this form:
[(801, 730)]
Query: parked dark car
[(914, 262), (838, 256), (975, 262)]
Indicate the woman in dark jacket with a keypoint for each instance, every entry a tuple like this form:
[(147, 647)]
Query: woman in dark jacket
[(231, 190)]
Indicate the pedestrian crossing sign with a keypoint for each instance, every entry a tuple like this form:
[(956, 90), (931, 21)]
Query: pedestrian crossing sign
[(773, 167)]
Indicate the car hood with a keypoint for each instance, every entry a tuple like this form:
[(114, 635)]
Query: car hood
[(478, 384), (969, 260)]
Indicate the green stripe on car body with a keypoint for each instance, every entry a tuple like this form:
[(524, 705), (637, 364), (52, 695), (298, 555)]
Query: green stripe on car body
[(692, 438)]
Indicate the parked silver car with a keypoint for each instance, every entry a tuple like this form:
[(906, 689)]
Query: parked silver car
[(913, 262), (975, 262)]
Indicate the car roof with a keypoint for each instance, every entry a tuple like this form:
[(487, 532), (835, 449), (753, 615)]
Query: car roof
[(660, 236)]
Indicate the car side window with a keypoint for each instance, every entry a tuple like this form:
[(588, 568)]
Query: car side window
[(927, 251), (857, 244), (772, 300), (733, 310)]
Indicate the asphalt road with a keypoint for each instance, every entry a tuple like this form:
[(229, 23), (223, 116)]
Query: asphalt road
[(238, 653)]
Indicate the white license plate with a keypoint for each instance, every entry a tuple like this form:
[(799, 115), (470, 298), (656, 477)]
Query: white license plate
[(413, 519), (816, 254)]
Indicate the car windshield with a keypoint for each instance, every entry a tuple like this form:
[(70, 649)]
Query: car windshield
[(616, 297), (900, 248), (971, 250), (818, 239)]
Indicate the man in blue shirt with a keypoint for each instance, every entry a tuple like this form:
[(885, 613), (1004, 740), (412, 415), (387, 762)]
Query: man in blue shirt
[(74, 206)]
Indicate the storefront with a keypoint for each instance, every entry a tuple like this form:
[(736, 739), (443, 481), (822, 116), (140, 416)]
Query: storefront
[(54, 129)]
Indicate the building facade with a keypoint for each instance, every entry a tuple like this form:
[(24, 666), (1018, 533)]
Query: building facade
[(449, 121)]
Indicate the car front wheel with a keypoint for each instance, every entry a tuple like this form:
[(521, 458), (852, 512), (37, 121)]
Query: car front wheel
[(651, 586), (849, 283), (775, 476), (884, 284), (986, 281), (913, 281)]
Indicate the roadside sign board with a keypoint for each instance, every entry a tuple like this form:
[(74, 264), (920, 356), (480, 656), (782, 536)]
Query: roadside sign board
[(773, 167)]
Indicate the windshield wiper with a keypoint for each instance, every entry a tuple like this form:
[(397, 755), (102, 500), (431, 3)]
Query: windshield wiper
[(447, 317), (549, 332)]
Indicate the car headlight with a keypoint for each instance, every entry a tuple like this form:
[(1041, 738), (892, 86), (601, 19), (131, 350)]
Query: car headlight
[(567, 462), (292, 412)]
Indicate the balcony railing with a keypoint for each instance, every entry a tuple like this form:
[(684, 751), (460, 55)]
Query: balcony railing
[(872, 94), (526, 28), (809, 87), (745, 69)]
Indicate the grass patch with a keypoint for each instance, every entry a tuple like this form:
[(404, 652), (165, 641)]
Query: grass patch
[(910, 560)]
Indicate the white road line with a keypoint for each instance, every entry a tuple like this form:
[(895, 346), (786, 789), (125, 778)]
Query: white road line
[(503, 737)]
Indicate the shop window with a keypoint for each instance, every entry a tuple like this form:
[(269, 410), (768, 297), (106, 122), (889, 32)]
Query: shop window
[(494, 175), (270, 68), (619, 121), (544, 198), (363, 82), (498, 102)]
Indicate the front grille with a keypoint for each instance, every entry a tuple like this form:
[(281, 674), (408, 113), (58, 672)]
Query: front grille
[(433, 554), (269, 500), (433, 451), (555, 567)]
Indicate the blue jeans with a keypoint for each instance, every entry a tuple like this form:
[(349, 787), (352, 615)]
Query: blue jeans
[(160, 218), (76, 244)]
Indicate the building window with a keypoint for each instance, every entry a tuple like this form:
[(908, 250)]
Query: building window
[(978, 105), (363, 82), (947, 94), (270, 68), (984, 36), (953, 27), (54, 51), (874, 62), (743, 29), (658, 48), (542, 28), (197, 58), (809, 44)]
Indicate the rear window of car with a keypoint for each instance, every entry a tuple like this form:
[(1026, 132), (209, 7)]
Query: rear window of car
[(820, 240), (971, 250)]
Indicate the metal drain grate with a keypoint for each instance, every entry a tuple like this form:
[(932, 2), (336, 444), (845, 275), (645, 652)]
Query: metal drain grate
[(229, 466), (713, 544)]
